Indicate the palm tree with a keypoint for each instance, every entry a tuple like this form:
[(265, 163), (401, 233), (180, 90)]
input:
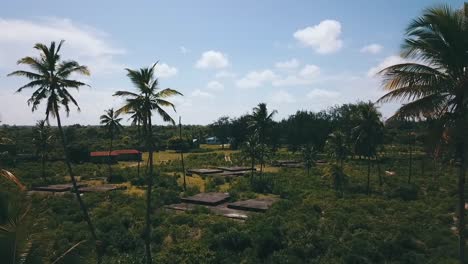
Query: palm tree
[(147, 98), (261, 121), (42, 140), (368, 134), (138, 120), (50, 76), (434, 85), (111, 122), (336, 147), (309, 156), (250, 150)]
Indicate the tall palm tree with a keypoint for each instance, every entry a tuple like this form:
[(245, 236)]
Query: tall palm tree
[(111, 122), (50, 75), (261, 121), (42, 140), (138, 120), (368, 134), (435, 84), (147, 98)]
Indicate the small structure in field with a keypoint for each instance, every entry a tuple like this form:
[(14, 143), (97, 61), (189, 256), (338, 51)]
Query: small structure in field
[(203, 171), (57, 187), (255, 205), (221, 209), (235, 168), (101, 188), (213, 198), (288, 163), (103, 157)]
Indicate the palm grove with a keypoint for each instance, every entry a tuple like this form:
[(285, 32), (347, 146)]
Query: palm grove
[(431, 85)]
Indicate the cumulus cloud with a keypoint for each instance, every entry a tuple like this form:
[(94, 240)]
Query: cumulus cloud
[(83, 43), (184, 50), (324, 38), (225, 74), (215, 86), (322, 94), (388, 61), (289, 64), (256, 79), (202, 94), (281, 97), (372, 48), (306, 75), (212, 60), (163, 70)]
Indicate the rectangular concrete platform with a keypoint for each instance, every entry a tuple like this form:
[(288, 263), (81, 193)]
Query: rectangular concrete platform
[(101, 188), (235, 168), (57, 187), (221, 209), (203, 171), (254, 205), (212, 198)]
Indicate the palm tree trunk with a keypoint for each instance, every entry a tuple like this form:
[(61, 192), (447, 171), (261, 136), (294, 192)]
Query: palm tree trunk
[(84, 210), (461, 203), (182, 153), (368, 174), (149, 259), (410, 162), (379, 172), (252, 171), (43, 167), (109, 178)]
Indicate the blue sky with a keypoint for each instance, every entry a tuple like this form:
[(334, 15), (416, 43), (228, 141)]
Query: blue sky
[(225, 56)]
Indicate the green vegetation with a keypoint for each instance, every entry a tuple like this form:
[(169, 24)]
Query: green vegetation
[(329, 210)]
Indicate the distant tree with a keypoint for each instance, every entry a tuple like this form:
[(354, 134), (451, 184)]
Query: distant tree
[(337, 148), (42, 140), (148, 98), (309, 155), (222, 129), (138, 119), (51, 77), (368, 134), (251, 150), (435, 84), (339, 179), (239, 131), (111, 123), (261, 121)]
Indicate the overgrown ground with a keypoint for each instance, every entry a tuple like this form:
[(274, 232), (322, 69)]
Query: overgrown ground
[(396, 223)]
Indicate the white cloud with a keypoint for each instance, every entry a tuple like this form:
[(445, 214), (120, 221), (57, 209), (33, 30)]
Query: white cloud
[(324, 38), (184, 50), (85, 44), (215, 86), (322, 94), (212, 60), (289, 64), (225, 74), (388, 61), (281, 97), (203, 94), (306, 75), (372, 48), (309, 71), (256, 78), (163, 70)]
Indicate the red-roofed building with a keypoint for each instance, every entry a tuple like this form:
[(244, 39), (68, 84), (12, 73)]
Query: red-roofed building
[(116, 155), (103, 156)]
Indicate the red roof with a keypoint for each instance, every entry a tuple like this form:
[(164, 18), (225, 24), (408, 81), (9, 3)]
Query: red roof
[(114, 153), (102, 154), (127, 151)]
